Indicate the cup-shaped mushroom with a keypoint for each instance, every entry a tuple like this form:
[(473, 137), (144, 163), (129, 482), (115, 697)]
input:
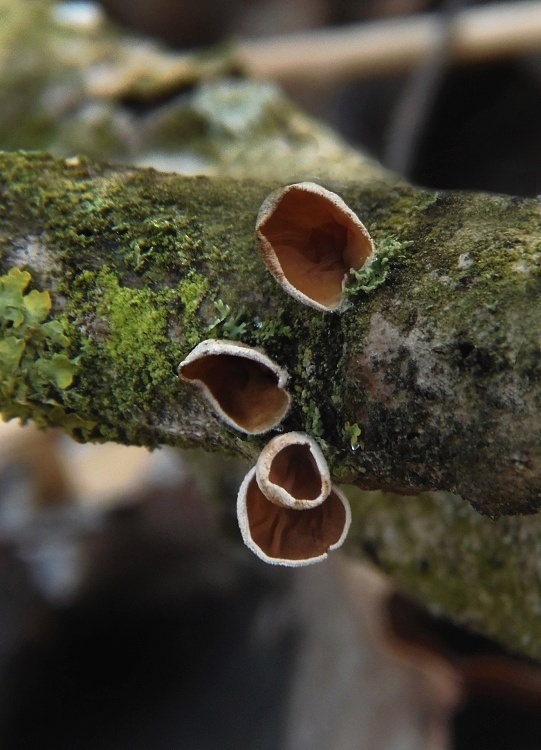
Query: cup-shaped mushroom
[(285, 536), (244, 386), (310, 240), (291, 471)]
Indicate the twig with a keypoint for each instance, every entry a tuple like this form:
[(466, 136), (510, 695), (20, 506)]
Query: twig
[(381, 47)]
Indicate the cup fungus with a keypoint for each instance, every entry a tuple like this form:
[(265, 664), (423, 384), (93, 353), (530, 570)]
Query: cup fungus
[(285, 536), (244, 387), (291, 471), (310, 240)]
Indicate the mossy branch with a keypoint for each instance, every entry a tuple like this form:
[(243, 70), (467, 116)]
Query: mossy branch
[(428, 380)]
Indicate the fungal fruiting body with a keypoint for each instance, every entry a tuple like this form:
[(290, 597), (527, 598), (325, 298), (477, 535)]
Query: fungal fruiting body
[(289, 513), (292, 472), (285, 536), (310, 240), (244, 386)]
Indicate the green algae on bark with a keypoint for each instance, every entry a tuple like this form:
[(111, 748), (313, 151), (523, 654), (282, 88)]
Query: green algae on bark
[(438, 363)]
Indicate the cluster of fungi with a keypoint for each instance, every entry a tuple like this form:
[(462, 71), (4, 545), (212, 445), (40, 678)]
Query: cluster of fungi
[(289, 511)]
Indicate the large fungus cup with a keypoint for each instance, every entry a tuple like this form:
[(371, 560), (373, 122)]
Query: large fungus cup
[(285, 536), (244, 386), (310, 240), (291, 471)]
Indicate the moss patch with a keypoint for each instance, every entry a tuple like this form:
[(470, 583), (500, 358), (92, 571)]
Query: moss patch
[(192, 291), (126, 333)]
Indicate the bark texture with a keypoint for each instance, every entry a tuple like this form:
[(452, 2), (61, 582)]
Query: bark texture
[(436, 360)]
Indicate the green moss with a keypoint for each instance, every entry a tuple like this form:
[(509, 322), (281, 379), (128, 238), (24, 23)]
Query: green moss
[(34, 367), (313, 423), (192, 289), (128, 335), (305, 372)]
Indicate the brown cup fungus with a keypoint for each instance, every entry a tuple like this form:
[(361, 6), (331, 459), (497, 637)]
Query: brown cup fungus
[(244, 387), (286, 536), (310, 240), (291, 471)]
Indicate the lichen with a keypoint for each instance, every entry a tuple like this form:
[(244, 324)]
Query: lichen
[(369, 278), (274, 328), (227, 325), (34, 367), (352, 433)]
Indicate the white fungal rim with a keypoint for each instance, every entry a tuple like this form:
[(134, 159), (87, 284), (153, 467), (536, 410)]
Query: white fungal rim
[(211, 347), (279, 495), (270, 257), (244, 526)]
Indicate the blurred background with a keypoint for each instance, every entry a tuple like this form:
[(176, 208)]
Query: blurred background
[(443, 123), (131, 617)]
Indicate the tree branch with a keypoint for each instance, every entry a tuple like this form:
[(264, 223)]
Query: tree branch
[(438, 366), (436, 360)]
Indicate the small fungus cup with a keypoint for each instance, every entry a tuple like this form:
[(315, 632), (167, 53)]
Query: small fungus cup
[(310, 240), (285, 536), (291, 471), (244, 386)]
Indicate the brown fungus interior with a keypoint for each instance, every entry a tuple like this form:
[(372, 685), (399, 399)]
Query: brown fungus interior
[(294, 468), (246, 390), (316, 244), (288, 534)]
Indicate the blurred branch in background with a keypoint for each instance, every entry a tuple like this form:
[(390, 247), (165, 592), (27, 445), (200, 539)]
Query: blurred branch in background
[(339, 53), (381, 47)]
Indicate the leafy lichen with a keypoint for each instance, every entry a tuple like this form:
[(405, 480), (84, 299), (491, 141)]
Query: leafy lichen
[(34, 366), (352, 433), (226, 325), (369, 278), (275, 329)]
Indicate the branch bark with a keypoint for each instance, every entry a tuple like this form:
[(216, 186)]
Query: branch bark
[(437, 360)]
